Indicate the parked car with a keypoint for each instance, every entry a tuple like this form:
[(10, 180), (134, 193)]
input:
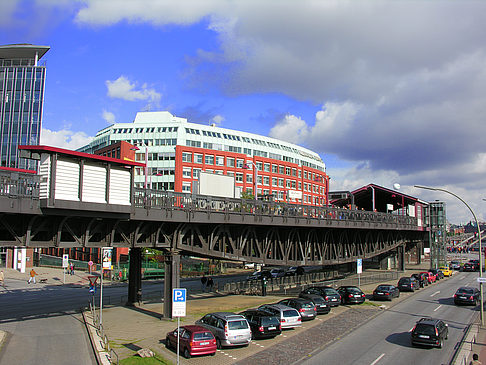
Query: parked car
[(421, 278), (193, 340), (430, 276), (475, 262), (294, 270), (323, 306), (469, 266), (408, 284), (351, 294), (430, 332), (228, 328), (307, 308), (326, 292), (467, 295), (289, 317), (446, 271), (385, 292), (277, 272), (438, 274), (258, 275), (455, 265), (263, 324)]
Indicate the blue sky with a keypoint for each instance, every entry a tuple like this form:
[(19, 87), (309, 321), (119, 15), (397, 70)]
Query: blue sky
[(385, 91)]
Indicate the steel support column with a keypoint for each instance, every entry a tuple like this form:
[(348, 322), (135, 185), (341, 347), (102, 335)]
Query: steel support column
[(401, 258), (171, 280), (135, 276)]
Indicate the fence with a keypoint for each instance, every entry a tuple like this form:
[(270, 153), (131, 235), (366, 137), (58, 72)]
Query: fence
[(105, 343)]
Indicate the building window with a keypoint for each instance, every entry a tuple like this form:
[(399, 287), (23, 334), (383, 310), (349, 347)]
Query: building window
[(259, 166), (293, 184), (280, 195), (274, 181), (300, 186), (186, 157), (240, 163), (266, 167), (249, 178), (259, 179), (280, 170), (274, 169), (287, 171), (196, 173), (186, 172), (266, 180), (281, 183), (198, 158), (294, 172), (230, 162), (219, 160), (209, 159), (288, 184), (305, 174), (186, 187), (239, 177)]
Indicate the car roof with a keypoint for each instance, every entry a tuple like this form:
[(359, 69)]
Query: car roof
[(195, 328), (259, 312), (227, 315), (279, 306), (428, 321)]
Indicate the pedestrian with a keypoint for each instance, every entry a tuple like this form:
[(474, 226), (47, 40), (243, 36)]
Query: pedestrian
[(32, 275), (475, 360), (203, 282), (2, 278), (210, 283), (72, 269)]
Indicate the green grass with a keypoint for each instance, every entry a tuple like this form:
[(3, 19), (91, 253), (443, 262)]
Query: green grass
[(137, 360)]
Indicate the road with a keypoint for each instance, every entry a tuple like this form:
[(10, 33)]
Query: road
[(43, 321), (386, 338)]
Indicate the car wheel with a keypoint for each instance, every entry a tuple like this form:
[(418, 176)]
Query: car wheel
[(441, 342), (187, 354), (218, 344)]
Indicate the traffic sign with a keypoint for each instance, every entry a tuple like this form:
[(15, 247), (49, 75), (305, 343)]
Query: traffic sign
[(179, 302), (92, 280), (65, 260), (92, 289), (481, 280), (359, 266)]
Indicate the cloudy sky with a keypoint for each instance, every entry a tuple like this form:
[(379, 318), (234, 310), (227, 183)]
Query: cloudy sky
[(386, 91)]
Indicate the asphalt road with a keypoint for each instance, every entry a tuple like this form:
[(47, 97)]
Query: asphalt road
[(386, 338)]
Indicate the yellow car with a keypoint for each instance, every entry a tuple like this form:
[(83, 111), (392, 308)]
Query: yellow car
[(446, 271)]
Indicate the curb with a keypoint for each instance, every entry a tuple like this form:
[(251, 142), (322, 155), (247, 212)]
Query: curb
[(102, 356)]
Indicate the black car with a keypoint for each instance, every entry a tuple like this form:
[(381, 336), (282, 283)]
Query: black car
[(421, 278), (322, 305), (475, 262), (407, 284), (263, 324), (306, 308), (258, 275), (430, 332), (467, 295), (385, 292), (438, 274), (351, 295), (328, 293), (469, 266)]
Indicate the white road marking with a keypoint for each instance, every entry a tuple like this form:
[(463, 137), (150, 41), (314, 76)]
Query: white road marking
[(437, 292), (437, 308), (378, 359)]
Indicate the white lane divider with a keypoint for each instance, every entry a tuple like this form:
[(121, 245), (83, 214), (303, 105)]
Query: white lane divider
[(378, 359), (436, 309), (437, 292)]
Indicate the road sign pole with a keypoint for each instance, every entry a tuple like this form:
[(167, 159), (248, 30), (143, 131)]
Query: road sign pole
[(101, 298), (178, 325)]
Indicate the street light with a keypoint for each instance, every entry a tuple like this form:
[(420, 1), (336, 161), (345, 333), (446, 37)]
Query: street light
[(480, 246), (135, 148)]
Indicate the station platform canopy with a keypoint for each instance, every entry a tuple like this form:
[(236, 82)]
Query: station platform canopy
[(373, 197)]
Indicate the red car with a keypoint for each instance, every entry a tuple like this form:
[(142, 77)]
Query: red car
[(430, 277), (193, 340)]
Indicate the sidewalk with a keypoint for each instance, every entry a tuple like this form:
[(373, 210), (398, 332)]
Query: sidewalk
[(48, 276)]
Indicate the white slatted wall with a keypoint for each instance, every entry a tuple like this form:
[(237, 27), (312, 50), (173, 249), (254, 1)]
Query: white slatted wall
[(120, 186)]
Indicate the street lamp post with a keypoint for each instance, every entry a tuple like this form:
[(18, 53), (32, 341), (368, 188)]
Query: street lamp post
[(480, 246), (255, 177), (135, 148)]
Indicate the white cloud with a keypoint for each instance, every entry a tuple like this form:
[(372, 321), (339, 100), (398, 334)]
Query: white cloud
[(290, 128), (122, 88), (64, 138), (109, 117), (218, 119)]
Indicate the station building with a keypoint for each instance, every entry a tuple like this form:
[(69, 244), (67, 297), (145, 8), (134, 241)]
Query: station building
[(177, 151)]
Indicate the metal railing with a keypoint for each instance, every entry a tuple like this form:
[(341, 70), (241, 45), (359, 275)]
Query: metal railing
[(19, 184), (105, 342), (167, 200)]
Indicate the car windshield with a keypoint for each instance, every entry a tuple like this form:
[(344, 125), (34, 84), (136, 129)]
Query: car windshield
[(425, 329), (383, 287), (290, 313), (317, 300), (404, 280), (307, 305), (270, 321), (465, 291), (201, 336), (238, 325)]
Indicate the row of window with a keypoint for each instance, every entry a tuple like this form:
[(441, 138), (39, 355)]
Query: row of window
[(146, 130), (240, 163)]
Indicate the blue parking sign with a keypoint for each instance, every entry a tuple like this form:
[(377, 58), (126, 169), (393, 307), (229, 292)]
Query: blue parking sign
[(179, 302)]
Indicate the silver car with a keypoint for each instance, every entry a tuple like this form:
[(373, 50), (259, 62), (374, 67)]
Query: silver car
[(228, 328), (289, 317)]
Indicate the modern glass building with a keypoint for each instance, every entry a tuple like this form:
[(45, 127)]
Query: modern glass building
[(177, 151), (22, 81)]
